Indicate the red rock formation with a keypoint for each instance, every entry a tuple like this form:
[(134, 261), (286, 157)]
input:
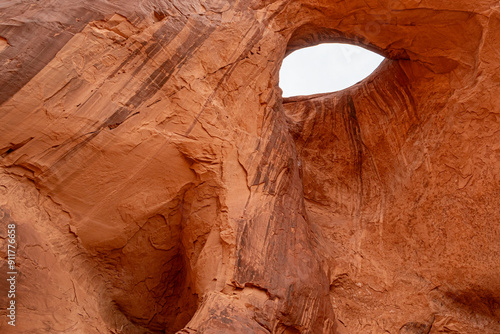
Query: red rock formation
[(160, 183)]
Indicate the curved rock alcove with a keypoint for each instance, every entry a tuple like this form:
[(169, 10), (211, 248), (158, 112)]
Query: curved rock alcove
[(159, 182)]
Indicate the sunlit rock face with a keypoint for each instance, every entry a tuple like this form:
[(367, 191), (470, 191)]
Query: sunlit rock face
[(159, 182)]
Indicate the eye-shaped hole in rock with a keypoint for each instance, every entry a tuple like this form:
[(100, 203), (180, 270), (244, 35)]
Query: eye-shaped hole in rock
[(325, 68)]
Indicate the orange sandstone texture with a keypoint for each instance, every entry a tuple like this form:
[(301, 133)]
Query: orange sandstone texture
[(160, 183)]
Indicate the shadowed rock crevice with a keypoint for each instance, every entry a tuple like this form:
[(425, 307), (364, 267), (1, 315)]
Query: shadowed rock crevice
[(153, 285)]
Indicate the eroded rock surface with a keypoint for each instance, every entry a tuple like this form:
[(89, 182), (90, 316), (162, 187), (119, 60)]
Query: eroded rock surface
[(160, 183)]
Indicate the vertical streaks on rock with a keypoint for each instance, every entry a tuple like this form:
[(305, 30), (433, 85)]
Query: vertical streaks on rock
[(274, 238)]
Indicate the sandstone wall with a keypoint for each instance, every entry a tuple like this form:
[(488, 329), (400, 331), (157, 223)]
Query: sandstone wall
[(160, 183)]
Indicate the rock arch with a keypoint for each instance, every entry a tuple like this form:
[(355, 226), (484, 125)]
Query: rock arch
[(153, 130)]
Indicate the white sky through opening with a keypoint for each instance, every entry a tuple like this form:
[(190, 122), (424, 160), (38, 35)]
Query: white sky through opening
[(324, 68)]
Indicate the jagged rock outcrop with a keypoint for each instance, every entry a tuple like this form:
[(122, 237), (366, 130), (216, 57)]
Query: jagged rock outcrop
[(159, 182)]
